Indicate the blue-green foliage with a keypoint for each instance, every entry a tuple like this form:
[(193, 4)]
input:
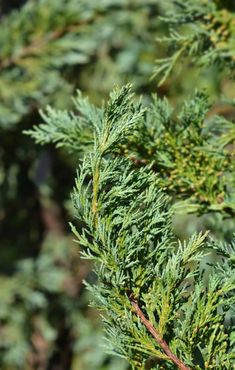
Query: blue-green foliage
[(188, 151), (42, 305), (132, 153), (82, 43), (202, 31), (127, 233)]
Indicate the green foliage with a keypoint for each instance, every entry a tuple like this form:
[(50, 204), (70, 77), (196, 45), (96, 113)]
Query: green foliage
[(183, 148), (40, 307), (127, 233), (187, 150), (48, 48), (78, 43), (201, 30), (105, 40), (26, 326), (129, 152)]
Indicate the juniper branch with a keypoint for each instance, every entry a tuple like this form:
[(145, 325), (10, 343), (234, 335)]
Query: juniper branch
[(183, 150), (207, 39), (128, 236)]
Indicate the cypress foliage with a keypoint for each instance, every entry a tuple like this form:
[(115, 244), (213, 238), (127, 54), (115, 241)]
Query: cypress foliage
[(48, 48), (158, 310), (208, 37), (189, 153), (165, 303), (69, 44)]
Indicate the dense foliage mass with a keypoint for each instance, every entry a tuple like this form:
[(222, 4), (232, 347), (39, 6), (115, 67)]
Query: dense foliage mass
[(42, 62), (148, 169), (208, 38), (127, 233), (189, 152), (63, 46)]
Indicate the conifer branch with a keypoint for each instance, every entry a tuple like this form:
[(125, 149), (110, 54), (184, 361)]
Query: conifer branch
[(181, 308), (180, 149), (207, 40), (127, 233), (161, 342)]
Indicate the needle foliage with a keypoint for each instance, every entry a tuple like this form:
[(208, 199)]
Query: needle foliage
[(188, 151), (165, 303), (79, 42), (126, 231), (201, 30)]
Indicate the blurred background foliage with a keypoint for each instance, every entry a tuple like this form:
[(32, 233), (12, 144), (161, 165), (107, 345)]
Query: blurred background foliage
[(50, 48)]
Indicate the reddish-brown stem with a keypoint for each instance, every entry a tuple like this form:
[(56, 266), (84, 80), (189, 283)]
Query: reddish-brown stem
[(161, 342)]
